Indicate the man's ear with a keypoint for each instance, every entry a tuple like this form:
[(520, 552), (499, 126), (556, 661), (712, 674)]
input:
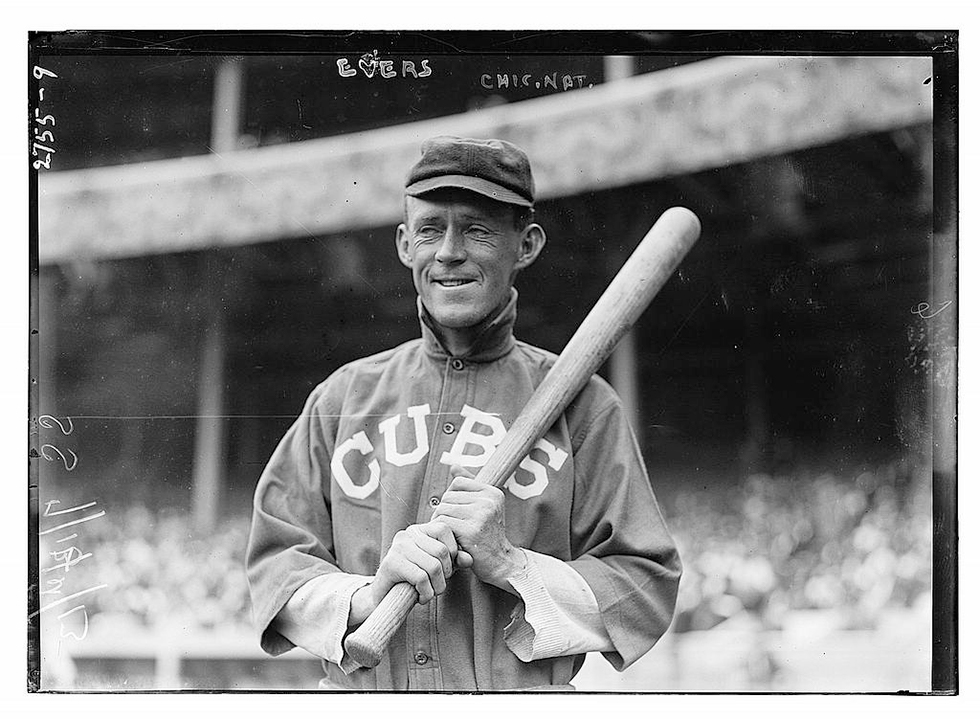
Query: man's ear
[(532, 242), (401, 245)]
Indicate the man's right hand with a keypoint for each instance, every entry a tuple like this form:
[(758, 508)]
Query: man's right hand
[(422, 555)]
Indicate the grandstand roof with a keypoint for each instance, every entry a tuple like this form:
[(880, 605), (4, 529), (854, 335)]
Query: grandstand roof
[(674, 122)]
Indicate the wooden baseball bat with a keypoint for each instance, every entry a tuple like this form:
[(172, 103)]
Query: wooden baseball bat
[(645, 272)]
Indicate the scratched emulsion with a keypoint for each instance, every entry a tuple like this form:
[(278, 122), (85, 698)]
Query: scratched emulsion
[(930, 357)]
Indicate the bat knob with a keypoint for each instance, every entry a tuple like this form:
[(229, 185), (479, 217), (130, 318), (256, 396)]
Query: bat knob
[(363, 651), (367, 644)]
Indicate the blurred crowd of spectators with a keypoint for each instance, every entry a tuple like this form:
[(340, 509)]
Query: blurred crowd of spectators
[(160, 572), (777, 545), (762, 548)]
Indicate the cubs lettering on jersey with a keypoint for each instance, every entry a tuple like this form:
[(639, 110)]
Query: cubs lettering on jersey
[(476, 440)]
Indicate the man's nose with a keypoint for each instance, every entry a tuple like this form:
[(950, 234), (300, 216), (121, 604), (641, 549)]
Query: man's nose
[(453, 248)]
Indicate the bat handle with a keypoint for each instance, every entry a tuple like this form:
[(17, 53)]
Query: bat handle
[(368, 643)]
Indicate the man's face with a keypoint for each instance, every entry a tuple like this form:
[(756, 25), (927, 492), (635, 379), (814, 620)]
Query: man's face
[(464, 251)]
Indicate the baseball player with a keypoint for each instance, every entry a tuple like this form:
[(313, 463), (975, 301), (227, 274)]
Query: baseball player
[(373, 484)]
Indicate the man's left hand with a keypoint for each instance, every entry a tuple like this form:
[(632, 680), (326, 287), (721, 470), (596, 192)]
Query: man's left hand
[(474, 511)]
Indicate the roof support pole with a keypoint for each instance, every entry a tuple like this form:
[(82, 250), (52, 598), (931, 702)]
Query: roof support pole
[(623, 368), (210, 437)]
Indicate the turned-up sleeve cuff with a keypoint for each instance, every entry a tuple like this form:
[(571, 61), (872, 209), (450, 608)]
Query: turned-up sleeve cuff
[(558, 615), (315, 617)]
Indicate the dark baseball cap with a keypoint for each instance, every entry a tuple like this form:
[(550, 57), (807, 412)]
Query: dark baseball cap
[(496, 169)]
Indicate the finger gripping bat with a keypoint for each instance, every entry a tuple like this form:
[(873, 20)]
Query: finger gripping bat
[(645, 272)]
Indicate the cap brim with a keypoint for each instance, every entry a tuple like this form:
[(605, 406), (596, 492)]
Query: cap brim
[(465, 182)]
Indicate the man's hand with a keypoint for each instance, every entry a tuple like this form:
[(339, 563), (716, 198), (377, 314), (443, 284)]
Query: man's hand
[(474, 511), (422, 555)]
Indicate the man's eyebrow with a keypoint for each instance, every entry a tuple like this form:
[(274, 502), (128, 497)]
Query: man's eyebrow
[(476, 216), (433, 217), (481, 217)]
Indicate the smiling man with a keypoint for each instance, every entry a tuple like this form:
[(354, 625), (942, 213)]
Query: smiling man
[(464, 251), (373, 484)]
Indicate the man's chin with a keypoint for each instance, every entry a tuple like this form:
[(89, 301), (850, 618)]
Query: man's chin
[(455, 315), (456, 320), (460, 315)]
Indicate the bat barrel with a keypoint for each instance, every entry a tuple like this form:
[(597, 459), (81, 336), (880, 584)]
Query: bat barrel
[(646, 271), (642, 276)]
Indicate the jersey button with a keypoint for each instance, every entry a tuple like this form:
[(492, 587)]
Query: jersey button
[(433, 501), (458, 364), (421, 657), (448, 428)]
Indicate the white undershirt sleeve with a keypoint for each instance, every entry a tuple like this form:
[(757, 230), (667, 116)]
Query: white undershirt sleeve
[(559, 615), (315, 617)]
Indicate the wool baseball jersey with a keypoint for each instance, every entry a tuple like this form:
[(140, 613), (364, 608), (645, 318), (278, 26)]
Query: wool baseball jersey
[(370, 455)]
